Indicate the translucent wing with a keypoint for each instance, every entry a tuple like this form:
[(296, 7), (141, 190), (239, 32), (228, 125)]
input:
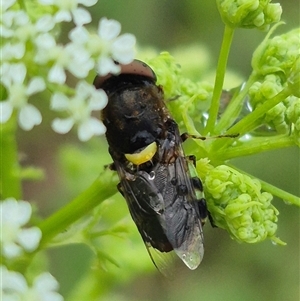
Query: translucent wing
[(181, 218), (164, 208)]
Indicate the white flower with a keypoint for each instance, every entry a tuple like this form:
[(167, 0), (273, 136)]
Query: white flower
[(120, 48), (4, 5), (15, 214), (17, 26), (14, 287), (79, 108), (11, 51), (68, 10), (107, 46), (13, 77), (49, 51), (11, 21), (81, 62), (72, 57)]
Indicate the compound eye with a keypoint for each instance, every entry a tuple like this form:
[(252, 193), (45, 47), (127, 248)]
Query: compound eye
[(136, 67), (139, 68)]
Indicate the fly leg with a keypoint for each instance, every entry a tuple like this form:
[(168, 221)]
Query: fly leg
[(204, 213), (186, 136), (110, 166), (120, 188)]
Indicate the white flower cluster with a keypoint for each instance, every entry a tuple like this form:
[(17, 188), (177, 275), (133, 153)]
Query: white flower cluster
[(32, 61), (80, 106), (14, 287), (14, 239)]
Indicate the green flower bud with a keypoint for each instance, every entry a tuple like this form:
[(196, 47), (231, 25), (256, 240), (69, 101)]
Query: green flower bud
[(278, 55), (293, 111), (293, 115), (249, 13), (297, 132), (203, 167), (281, 117), (294, 77), (276, 118), (237, 204), (271, 86), (168, 73), (187, 98)]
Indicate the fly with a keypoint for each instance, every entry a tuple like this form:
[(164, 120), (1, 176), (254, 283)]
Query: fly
[(158, 181)]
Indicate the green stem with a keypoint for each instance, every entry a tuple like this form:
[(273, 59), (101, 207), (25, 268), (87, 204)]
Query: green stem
[(250, 121), (10, 169), (255, 145), (234, 107), (219, 80), (103, 188), (281, 194), (22, 4)]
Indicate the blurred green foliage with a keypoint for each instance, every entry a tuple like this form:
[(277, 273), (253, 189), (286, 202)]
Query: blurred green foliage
[(229, 271)]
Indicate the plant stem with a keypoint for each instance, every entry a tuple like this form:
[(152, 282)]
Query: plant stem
[(250, 121), (22, 4), (281, 194), (255, 145), (10, 169), (219, 80), (103, 188), (234, 108)]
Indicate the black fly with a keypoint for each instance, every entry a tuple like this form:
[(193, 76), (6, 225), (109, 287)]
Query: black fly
[(164, 197)]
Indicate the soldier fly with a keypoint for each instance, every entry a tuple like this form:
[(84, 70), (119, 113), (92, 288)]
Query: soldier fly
[(164, 197)]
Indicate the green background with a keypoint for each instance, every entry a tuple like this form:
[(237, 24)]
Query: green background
[(230, 271)]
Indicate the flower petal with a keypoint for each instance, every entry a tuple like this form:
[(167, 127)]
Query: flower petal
[(63, 15), (59, 102), (79, 35), (62, 126), (57, 74), (12, 73), (16, 212), (45, 23), (84, 89), (90, 128), (106, 65), (45, 282), (29, 116), (12, 281), (108, 29), (36, 85), (19, 72), (30, 238), (81, 62), (87, 3), (123, 48), (81, 16), (5, 5), (12, 51), (11, 250), (98, 100), (45, 41), (6, 110)]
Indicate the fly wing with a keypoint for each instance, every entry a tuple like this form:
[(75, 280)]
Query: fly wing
[(166, 263), (164, 208), (180, 219), (145, 204)]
